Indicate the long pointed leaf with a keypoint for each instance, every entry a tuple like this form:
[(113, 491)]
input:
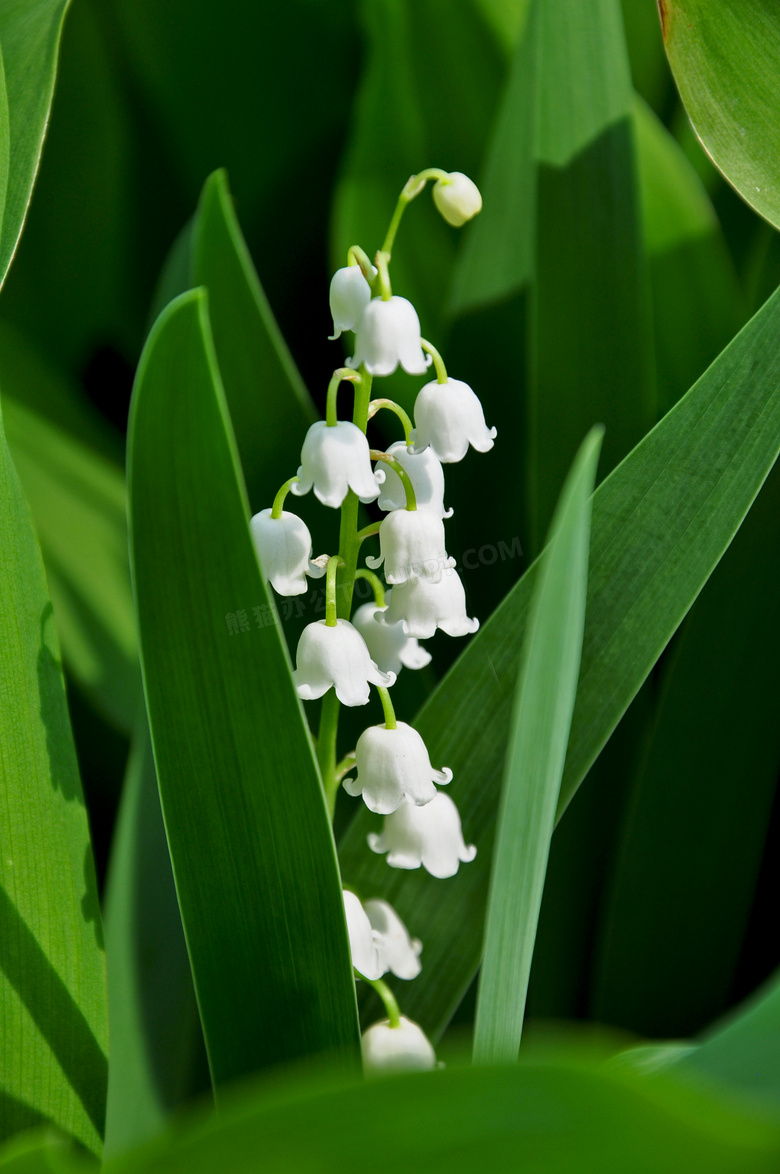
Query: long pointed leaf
[(52, 974), (252, 850), (543, 705)]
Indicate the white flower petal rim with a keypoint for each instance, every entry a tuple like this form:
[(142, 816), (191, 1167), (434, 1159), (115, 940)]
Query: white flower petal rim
[(336, 656), (400, 952), (411, 543), (423, 605)]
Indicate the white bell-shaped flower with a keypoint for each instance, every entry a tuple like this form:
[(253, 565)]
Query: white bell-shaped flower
[(427, 478), (424, 606), (398, 952), (283, 548), (389, 644), (404, 1048), (457, 197), (362, 939), (388, 334), (334, 460), (336, 656), (350, 293), (411, 543), (391, 765), (449, 417), (430, 836)]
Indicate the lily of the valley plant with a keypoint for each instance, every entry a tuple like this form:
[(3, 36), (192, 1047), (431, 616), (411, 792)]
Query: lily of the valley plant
[(340, 657)]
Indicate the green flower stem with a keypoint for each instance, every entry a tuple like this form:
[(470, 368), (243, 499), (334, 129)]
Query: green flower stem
[(349, 548), (368, 531), (411, 499), (276, 508), (387, 997), (387, 706), (330, 590), (438, 361), (411, 189), (356, 256), (346, 765), (376, 583), (392, 406), (385, 288), (341, 374)]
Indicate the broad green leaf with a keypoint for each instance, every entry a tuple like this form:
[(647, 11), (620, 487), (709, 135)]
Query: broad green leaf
[(744, 1050), (696, 822), (38, 1152), (698, 304), (661, 522), (546, 1117), (541, 718), (77, 499), (726, 62), (241, 796), (78, 280), (52, 979), (558, 247), (29, 41), (156, 1041), (649, 67), (269, 405)]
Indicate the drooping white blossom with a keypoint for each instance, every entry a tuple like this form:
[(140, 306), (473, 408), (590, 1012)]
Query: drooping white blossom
[(350, 293), (411, 542), (393, 765), (424, 606), (430, 836), (398, 952), (404, 1048), (284, 549), (362, 939), (388, 334), (426, 475), (449, 417), (335, 459), (457, 197), (389, 644), (336, 656)]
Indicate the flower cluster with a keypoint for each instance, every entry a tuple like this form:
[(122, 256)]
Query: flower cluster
[(340, 657)]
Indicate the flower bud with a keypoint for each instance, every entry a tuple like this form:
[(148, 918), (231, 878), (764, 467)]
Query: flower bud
[(350, 293), (457, 198), (283, 548), (403, 1048)]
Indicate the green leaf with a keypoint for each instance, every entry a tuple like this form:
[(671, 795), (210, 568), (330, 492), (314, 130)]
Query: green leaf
[(269, 405), (241, 796), (52, 980), (726, 62), (546, 1117), (557, 251), (743, 1050), (649, 67), (661, 522), (156, 1040), (77, 499), (29, 41), (542, 709), (698, 304), (696, 822)]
